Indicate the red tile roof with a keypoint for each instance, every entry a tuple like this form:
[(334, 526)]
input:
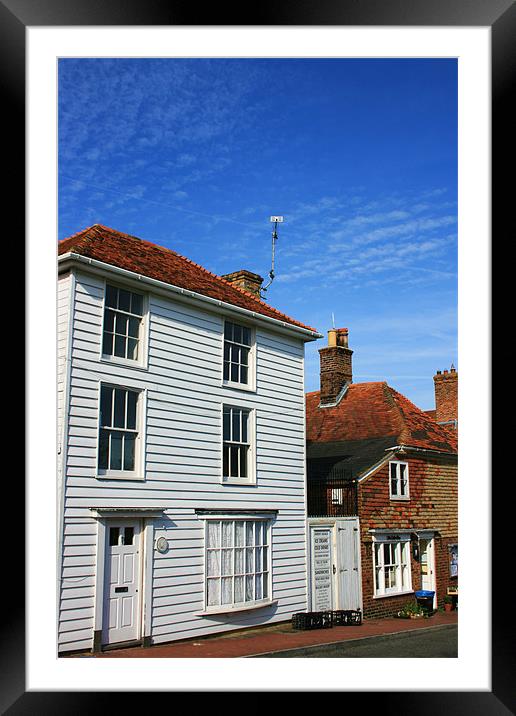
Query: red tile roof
[(375, 410), (142, 257)]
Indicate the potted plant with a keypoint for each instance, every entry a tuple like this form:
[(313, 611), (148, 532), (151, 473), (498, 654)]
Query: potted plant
[(448, 603), (411, 610)]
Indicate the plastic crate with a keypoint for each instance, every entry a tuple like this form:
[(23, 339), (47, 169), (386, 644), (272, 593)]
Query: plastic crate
[(312, 620), (347, 617)]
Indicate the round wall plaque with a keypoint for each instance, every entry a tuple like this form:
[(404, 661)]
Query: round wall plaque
[(162, 544)]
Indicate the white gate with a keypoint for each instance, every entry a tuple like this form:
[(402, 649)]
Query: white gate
[(349, 576), (335, 573)]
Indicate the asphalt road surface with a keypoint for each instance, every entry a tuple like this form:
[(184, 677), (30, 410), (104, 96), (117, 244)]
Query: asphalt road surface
[(436, 642)]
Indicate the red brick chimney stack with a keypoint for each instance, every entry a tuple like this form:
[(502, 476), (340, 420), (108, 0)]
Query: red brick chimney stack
[(336, 370), (247, 280), (446, 395)]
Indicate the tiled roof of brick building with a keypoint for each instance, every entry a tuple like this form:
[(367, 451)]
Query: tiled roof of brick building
[(142, 257), (369, 416)]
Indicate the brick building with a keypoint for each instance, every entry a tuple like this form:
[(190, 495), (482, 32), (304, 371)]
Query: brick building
[(382, 474)]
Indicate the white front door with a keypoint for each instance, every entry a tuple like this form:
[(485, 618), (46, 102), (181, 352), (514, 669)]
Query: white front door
[(348, 564), (121, 615), (427, 562)]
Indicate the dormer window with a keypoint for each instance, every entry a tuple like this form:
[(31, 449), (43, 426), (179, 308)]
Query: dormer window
[(238, 344), (398, 480)]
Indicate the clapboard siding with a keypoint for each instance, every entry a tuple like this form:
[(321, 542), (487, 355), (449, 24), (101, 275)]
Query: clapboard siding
[(183, 391)]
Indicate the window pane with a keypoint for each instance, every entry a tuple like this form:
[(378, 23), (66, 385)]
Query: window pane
[(225, 460), (124, 300), (213, 592), (239, 589), (244, 356), (132, 400), (249, 588), (234, 451), (265, 560), (137, 303), (234, 372), (235, 424), (121, 322), (249, 561), (243, 461), (111, 296), (133, 327), (227, 534), (128, 535), (227, 590), (239, 534), (114, 533), (107, 344), (226, 371), (228, 331), (249, 533), (103, 449), (227, 562), (119, 413), (132, 348), (213, 563), (246, 336), (243, 374), (258, 594), (109, 321), (106, 395), (226, 424), (116, 451), (258, 559), (237, 333), (120, 346), (213, 534), (245, 418), (129, 445), (239, 561)]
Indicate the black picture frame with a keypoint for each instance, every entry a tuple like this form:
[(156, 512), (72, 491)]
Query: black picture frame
[(500, 16)]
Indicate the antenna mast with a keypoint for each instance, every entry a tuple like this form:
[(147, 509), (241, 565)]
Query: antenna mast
[(275, 220)]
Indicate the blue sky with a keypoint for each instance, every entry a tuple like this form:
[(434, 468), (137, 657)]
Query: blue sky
[(358, 155)]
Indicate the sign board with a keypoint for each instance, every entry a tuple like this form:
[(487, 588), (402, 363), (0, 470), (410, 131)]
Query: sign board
[(278, 219), (321, 568), (454, 559)]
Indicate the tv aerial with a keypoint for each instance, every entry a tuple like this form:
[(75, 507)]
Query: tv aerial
[(274, 220)]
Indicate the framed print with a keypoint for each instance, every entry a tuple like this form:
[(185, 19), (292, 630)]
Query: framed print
[(34, 679)]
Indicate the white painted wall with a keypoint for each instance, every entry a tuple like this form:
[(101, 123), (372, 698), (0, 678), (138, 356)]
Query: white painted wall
[(183, 456)]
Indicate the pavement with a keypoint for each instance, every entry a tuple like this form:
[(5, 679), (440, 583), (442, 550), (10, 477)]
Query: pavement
[(276, 638)]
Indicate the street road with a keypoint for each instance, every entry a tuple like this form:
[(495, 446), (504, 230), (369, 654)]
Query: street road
[(436, 642)]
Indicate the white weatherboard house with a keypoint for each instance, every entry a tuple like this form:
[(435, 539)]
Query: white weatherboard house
[(181, 427)]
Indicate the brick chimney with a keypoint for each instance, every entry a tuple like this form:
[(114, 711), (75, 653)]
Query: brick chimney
[(247, 280), (446, 395), (336, 370)]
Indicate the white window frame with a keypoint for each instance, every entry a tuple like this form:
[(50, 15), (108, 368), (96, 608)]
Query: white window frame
[(251, 442), (402, 565), (138, 472), (396, 495), (220, 608), (250, 386), (141, 361)]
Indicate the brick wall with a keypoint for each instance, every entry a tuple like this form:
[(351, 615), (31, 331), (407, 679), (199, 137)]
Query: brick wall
[(432, 505)]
